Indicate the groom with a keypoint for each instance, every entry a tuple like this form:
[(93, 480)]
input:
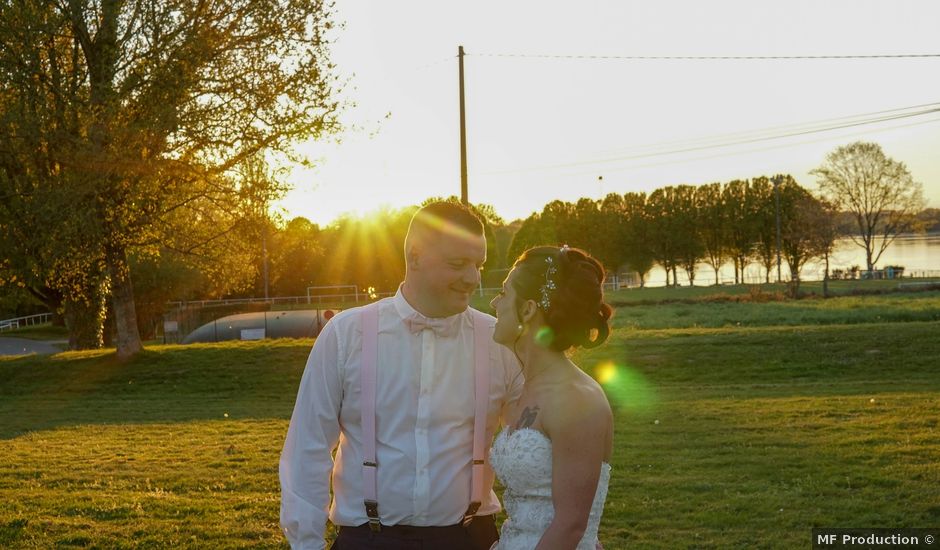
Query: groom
[(412, 485)]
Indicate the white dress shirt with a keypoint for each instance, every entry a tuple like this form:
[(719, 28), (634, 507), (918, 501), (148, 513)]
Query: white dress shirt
[(424, 426)]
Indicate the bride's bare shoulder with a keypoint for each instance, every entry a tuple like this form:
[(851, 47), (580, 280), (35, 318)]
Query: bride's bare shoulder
[(577, 401)]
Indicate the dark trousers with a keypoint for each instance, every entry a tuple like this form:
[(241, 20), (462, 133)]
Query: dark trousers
[(479, 535)]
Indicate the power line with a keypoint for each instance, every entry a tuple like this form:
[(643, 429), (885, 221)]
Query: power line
[(705, 57), (747, 151), (760, 132), (793, 131)]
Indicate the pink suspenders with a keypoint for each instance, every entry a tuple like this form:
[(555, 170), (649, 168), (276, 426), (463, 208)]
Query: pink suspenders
[(481, 346), (481, 391), (370, 355)]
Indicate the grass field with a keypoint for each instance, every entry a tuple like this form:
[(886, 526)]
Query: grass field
[(738, 425)]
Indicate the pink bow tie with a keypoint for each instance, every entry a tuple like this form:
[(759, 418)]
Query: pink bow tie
[(445, 327)]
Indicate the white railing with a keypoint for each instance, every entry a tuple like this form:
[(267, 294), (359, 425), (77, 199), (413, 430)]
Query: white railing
[(357, 297), (27, 321)]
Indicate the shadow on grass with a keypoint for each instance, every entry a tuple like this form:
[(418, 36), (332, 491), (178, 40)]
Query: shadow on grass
[(162, 384)]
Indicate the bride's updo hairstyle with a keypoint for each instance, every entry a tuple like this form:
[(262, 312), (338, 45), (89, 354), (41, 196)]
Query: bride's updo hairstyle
[(568, 286)]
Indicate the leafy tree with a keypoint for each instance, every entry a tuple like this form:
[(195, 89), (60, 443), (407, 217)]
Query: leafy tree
[(805, 229), (366, 251), (558, 219), (664, 233), (687, 222), (878, 190), (638, 252), (503, 237), (297, 257), (929, 220), (531, 233), (611, 247), (587, 228), (739, 201), (763, 213), (143, 107), (715, 227)]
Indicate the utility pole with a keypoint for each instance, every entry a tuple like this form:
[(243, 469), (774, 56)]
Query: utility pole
[(776, 181), (463, 135)]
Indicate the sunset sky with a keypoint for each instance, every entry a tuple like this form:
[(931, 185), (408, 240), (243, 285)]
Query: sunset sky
[(558, 127)]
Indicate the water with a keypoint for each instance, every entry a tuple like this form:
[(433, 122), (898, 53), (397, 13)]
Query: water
[(919, 254)]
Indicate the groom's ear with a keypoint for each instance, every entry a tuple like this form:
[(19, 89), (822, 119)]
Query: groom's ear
[(412, 257)]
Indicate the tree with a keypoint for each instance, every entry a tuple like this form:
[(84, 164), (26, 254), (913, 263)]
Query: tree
[(664, 233), (715, 227), (143, 107), (739, 201), (532, 232), (805, 229), (366, 251), (637, 232), (686, 214), (763, 211), (610, 247), (878, 190), (297, 256)]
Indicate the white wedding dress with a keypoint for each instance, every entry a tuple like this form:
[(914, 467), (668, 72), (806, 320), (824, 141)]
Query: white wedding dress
[(522, 460)]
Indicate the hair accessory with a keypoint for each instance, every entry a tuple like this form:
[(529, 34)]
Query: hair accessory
[(549, 286)]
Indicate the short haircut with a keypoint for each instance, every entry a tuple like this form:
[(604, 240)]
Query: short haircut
[(439, 218)]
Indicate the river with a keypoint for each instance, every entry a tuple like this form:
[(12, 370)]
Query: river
[(918, 254)]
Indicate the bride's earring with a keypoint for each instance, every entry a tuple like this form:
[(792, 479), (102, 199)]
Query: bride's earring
[(520, 329)]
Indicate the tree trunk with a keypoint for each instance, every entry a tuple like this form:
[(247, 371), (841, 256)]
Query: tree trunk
[(826, 278), (85, 320), (122, 302)]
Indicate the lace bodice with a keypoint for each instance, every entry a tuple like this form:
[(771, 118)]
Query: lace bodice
[(522, 460)]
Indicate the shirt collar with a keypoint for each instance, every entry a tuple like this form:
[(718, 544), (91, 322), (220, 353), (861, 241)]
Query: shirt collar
[(406, 311)]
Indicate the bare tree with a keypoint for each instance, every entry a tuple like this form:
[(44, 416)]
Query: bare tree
[(878, 190)]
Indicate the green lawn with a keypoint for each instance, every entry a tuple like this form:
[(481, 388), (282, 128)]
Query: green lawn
[(807, 413)]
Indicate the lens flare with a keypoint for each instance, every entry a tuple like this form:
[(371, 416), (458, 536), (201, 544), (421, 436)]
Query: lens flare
[(545, 336), (626, 387), (606, 373)]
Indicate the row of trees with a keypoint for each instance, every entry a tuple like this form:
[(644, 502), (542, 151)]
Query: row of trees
[(874, 196), (681, 227)]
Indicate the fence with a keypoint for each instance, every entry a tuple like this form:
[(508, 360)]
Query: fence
[(28, 321)]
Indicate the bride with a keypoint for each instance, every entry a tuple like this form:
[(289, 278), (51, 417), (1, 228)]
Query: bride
[(554, 456)]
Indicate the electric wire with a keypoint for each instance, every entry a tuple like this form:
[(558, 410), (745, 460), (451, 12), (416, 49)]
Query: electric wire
[(850, 122), (702, 57)]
